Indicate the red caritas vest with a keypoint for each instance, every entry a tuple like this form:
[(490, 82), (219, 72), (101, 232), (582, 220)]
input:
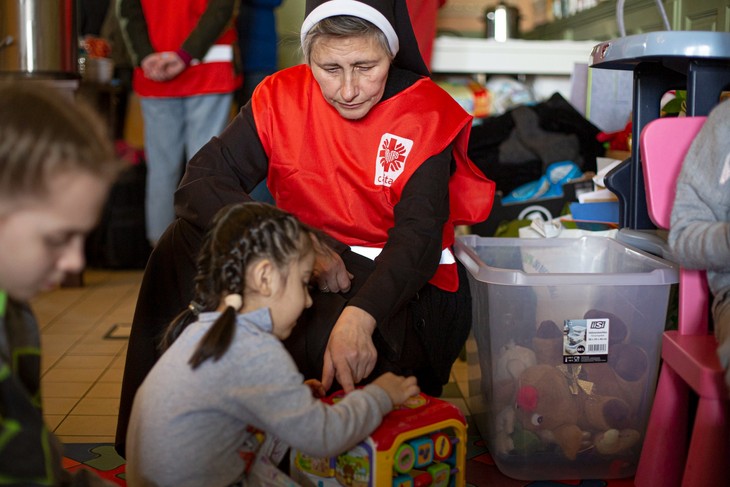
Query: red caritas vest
[(345, 177), (215, 73)]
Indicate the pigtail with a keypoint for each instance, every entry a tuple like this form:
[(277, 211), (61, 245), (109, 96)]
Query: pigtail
[(179, 323), (218, 339)]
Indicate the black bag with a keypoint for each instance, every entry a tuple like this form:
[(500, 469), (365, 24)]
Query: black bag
[(120, 239)]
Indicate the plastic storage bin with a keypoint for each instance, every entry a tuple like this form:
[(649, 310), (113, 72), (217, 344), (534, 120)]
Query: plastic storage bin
[(567, 333)]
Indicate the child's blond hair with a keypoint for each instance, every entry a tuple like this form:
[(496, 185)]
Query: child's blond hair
[(44, 134)]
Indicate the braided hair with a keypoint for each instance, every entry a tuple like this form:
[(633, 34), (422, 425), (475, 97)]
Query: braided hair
[(241, 234)]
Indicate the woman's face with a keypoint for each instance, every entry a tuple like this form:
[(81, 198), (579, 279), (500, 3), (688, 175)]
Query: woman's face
[(351, 73)]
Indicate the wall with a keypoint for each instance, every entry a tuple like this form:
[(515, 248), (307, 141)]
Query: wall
[(600, 23), (289, 18), (459, 17), (466, 17)]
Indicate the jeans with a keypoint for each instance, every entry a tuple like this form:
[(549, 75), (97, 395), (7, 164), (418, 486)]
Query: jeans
[(174, 130)]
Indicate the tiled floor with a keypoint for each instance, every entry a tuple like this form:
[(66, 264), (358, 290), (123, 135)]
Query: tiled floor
[(83, 332), (83, 353)]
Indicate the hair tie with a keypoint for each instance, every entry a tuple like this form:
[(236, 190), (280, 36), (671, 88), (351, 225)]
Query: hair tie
[(195, 307), (235, 301)]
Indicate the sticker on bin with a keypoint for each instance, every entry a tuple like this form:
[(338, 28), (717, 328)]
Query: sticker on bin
[(585, 341)]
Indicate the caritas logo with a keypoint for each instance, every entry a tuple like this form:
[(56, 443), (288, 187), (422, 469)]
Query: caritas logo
[(392, 154)]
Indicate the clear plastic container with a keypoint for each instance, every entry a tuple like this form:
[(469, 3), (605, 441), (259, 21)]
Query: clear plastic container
[(568, 335)]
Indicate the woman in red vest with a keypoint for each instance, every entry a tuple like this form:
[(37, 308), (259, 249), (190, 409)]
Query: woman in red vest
[(361, 144)]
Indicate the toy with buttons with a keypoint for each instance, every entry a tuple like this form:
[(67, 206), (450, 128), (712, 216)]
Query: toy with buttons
[(421, 443)]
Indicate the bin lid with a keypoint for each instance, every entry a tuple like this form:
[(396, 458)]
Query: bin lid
[(588, 260)]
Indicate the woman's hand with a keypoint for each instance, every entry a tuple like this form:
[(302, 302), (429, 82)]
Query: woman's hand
[(350, 355), (329, 270)]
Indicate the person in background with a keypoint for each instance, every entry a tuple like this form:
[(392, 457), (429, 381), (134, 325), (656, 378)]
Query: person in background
[(225, 377), (56, 168), (361, 144), (90, 16), (699, 233), (184, 75), (424, 14), (123, 67), (258, 44)]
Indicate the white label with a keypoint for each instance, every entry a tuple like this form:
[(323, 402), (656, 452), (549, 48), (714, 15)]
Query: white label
[(585, 341)]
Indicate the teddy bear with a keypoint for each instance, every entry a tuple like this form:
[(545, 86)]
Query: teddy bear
[(511, 361), (555, 405), (626, 372), (548, 343)]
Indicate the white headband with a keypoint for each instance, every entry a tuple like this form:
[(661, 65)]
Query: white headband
[(356, 9)]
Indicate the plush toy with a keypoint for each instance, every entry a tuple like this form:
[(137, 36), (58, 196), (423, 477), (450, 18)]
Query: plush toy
[(619, 140), (619, 331), (504, 427), (558, 407), (512, 360), (548, 343), (615, 442), (625, 373), (511, 437)]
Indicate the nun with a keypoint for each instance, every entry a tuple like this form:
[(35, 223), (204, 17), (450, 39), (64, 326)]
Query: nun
[(359, 143)]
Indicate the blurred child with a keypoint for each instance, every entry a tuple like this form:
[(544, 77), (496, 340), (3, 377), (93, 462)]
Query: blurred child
[(226, 378), (700, 227), (56, 167)]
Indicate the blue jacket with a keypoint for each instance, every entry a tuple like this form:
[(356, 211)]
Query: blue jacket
[(257, 36)]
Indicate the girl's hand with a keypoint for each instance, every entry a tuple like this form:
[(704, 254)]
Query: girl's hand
[(399, 388), (350, 355), (317, 388)]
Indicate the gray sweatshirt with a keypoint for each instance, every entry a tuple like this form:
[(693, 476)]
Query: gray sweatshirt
[(700, 227), (188, 427)]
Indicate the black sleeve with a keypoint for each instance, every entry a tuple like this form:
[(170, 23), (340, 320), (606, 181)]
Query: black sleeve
[(217, 16), (134, 29), (412, 253), (222, 172)]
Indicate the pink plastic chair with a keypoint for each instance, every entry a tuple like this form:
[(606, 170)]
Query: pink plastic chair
[(690, 365)]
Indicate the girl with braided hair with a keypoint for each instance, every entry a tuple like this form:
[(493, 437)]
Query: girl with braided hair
[(226, 378)]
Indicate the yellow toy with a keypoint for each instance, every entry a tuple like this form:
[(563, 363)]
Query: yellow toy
[(421, 443)]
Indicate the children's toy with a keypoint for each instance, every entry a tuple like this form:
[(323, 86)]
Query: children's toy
[(421, 443), (561, 409), (619, 140)]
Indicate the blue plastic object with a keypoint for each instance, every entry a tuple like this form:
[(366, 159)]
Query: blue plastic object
[(548, 186)]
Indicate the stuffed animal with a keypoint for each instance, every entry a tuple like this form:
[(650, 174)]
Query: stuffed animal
[(512, 360), (555, 405), (619, 140), (615, 442), (625, 373), (548, 343), (504, 427)]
